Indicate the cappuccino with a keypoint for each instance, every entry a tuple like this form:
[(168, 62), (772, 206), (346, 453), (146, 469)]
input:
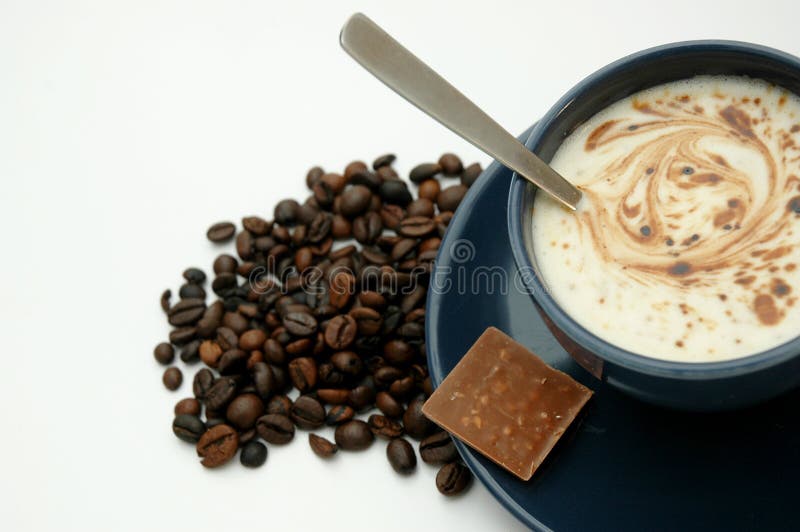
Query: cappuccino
[(686, 244)]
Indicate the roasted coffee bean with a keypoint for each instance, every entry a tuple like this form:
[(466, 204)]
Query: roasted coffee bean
[(392, 318), (438, 448), (225, 264), (375, 256), (220, 393), (355, 201), (424, 171), (186, 312), (450, 197), (280, 404), (300, 347), (303, 372), (471, 174), (188, 427), (453, 479), (191, 291), (368, 320), (354, 435), (235, 322), (203, 381), (451, 164), (362, 397), (402, 388), (307, 412), (342, 287), (256, 225), (221, 232), (263, 380), (227, 338), (337, 182), (274, 352), (416, 226), (341, 227), (372, 299), (384, 427), (253, 454), (421, 207), (354, 168), (194, 275), (398, 352), (386, 375), (166, 295), (340, 332), (369, 180), (282, 381), (320, 228), (233, 362), (244, 410), (300, 323), (383, 160), (245, 244), (367, 228), (323, 194), (401, 456), (247, 436), (190, 351), (313, 176), (388, 405), (391, 216), (333, 396), (395, 192), (416, 424), (210, 353), (164, 353), (321, 446), (411, 332), (286, 212), (275, 428), (348, 363), (189, 406), (172, 378), (429, 189), (339, 414), (252, 339), (217, 445)]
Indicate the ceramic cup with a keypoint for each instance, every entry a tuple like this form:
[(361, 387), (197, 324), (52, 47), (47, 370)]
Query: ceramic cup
[(691, 386)]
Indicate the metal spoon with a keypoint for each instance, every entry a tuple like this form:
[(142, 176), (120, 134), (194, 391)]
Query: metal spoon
[(415, 81)]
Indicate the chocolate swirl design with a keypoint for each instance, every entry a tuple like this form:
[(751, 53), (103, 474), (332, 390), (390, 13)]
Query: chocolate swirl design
[(674, 210)]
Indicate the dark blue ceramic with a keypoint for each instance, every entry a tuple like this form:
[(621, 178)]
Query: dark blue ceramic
[(690, 386), (627, 466)]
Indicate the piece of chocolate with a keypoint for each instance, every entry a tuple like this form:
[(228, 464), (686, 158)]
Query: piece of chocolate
[(506, 403)]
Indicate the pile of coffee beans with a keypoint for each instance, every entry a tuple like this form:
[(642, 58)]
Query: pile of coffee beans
[(318, 320)]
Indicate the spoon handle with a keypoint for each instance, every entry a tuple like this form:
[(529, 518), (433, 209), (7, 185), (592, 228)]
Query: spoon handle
[(415, 81)]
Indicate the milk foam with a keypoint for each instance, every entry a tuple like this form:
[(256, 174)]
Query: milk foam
[(686, 244)]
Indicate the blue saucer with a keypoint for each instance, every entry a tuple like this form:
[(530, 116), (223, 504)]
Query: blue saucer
[(628, 466)]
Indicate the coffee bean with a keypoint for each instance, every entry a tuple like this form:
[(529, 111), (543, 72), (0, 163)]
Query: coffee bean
[(401, 456), (164, 353), (416, 424), (280, 404), (286, 212), (172, 378), (471, 174), (203, 381), (340, 332), (348, 363), (307, 412), (367, 228), (398, 352), (186, 312), (252, 339), (388, 405), (438, 448), (189, 406), (355, 201), (416, 226), (341, 227), (166, 295), (220, 393), (337, 182), (275, 428), (424, 171), (383, 160), (362, 397), (274, 352), (372, 299), (210, 353), (384, 427), (300, 323), (391, 216), (257, 225), (429, 189), (263, 380), (354, 435), (421, 207), (188, 427), (191, 291), (233, 362), (313, 176), (451, 164), (453, 479), (303, 372), (225, 264), (227, 338), (395, 192), (253, 454), (190, 351), (321, 446), (339, 414), (450, 197), (320, 228), (221, 232), (217, 445), (323, 194), (369, 180), (244, 410)]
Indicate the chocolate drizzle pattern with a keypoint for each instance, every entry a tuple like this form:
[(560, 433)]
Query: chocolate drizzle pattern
[(673, 210)]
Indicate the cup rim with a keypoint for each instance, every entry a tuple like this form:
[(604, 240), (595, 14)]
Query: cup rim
[(520, 188)]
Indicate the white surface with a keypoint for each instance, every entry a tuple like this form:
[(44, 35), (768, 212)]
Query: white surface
[(116, 122)]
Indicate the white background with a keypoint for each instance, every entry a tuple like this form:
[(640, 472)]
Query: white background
[(127, 128)]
